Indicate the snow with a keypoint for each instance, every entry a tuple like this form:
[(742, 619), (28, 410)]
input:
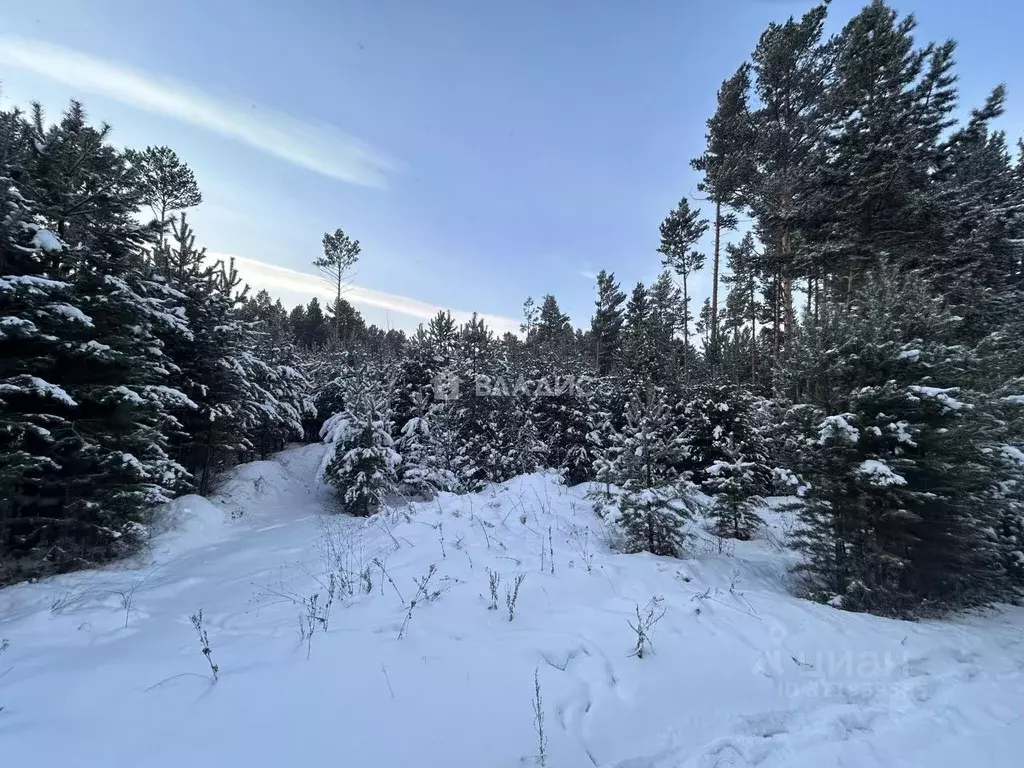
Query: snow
[(943, 396), (47, 241), (34, 284), (73, 313), (788, 477), (741, 673), (880, 473), (1013, 452), (16, 323), (837, 427), (37, 386), (718, 468), (172, 396), (132, 461), (902, 435), (910, 354), (128, 395)]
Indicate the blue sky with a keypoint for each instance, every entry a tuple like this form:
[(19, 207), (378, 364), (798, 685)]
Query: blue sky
[(481, 151)]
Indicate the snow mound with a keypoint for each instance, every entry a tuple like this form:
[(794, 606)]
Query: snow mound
[(415, 661), (189, 522), (251, 485)]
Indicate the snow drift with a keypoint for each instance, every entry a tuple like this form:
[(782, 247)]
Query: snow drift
[(106, 668)]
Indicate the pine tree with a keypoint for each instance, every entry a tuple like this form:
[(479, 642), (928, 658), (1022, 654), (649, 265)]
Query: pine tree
[(607, 403), (36, 414), (711, 417), (891, 102), (562, 417), (742, 304), (680, 232), (113, 464), (979, 268), (442, 335), (314, 331), (907, 494), (212, 432), (726, 164), (551, 336), (364, 465), (349, 327), (340, 254), (165, 183), (790, 65)]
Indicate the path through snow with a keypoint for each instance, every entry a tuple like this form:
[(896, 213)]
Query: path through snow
[(106, 668)]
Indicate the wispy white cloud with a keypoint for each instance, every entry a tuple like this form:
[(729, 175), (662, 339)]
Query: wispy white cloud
[(588, 274), (277, 280), (315, 146)]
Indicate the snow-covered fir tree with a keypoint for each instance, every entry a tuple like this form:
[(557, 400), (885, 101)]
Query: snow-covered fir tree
[(735, 483), (710, 418), (96, 383), (655, 502), (906, 476), (362, 463), (423, 471)]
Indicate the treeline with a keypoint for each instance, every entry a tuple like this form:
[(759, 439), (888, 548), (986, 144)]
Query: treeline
[(314, 326), (861, 349), (128, 371)]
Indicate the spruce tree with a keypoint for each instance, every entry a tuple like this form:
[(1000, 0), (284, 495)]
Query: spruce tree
[(422, 471), (666, 318), (735, 483), (639, 356), (361, 462), (606, 324), (654, 501)]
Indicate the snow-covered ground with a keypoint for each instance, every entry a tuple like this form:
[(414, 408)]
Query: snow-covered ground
[(106, 669)]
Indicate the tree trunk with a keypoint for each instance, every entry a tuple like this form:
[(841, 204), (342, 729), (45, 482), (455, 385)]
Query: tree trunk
[(714, 273), (163, 223), (337, 310), (776, 313), (753, 334), (789, 318), (686, 331), (204, 483)]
